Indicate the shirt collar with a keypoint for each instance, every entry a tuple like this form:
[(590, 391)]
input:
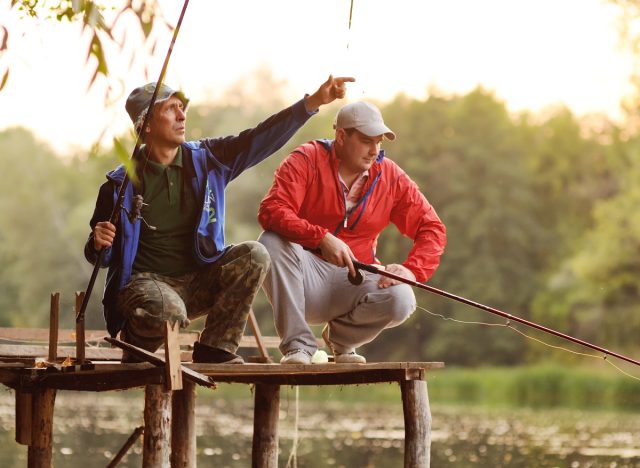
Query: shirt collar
[(364, 174), (157, 168)]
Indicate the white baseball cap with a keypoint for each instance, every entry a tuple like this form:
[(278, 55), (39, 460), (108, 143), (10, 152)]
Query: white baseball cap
[(365, 118)]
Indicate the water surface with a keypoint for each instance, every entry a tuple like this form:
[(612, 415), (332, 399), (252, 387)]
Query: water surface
[(90, 428)]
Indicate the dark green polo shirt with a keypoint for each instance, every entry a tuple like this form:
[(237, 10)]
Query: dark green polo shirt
[(170, 207)]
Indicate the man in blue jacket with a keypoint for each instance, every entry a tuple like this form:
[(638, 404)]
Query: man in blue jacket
[(170, 262)]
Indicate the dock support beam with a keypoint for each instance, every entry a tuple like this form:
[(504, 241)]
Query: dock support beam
[(157, 422), (417, 423), (265, 426), (40, 452), (183, 426), (24, 417)]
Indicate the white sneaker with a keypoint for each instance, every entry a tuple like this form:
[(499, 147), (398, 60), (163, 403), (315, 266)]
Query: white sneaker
[(349, 358), (341, 358), (296, 356)]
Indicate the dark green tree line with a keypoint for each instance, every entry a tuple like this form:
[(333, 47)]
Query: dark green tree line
[(538, 209)]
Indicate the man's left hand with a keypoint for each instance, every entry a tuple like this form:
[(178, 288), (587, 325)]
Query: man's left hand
[(329, 91), (399, 270)]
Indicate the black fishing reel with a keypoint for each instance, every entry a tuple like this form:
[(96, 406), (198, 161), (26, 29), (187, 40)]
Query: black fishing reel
[(358, 279), (136, 211)]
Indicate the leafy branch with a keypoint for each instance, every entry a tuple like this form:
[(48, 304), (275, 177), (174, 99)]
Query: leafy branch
[(91, 14)]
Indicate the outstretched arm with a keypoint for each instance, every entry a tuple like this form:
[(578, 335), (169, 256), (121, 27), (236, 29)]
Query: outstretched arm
[(329, 91)]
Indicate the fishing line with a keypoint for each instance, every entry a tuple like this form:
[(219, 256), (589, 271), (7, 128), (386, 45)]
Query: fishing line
[(347, 64), (292, 462), (508, 325), (349, 30)]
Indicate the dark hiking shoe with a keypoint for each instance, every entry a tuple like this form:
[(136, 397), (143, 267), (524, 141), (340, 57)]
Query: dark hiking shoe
[(203, 353)]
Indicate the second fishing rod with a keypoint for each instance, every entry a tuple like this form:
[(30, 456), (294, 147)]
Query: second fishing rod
[(379, 271)]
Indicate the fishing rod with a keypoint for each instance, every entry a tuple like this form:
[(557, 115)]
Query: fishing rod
[(115, 214), (477, 305)]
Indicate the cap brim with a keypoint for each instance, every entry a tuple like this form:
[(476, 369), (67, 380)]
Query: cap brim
[(179, 94), (377, 129)]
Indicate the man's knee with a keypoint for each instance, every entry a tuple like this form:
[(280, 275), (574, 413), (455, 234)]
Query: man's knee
[(276, 246), (402, 303), (259, 255)]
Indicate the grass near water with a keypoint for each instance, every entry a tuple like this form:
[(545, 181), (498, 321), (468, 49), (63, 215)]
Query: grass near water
[(540, 386)]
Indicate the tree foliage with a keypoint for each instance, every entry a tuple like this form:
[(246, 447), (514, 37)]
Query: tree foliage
[(98, 20), (539, 213)]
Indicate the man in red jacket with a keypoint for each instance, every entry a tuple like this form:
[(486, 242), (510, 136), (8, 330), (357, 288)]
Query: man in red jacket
[(329, 201)]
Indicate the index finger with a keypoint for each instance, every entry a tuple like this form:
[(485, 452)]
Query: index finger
[(343, 79), (352, 269)]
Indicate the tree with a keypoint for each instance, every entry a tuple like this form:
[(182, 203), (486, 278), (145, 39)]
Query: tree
[(98, 20), (468, 156), (594, 292)]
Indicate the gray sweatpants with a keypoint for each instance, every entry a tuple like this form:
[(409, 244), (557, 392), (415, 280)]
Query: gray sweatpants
[(304, 289)]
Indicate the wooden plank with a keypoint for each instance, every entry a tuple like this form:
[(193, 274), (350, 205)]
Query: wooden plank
[(328, 368), (186, 338), (417, 424), (115, 376), (54, 314), (157, 361), (125, 448), (65, 335), (134, 376), (258, 336), (173, 376), (28, 354), (183, 427), (264, 452)]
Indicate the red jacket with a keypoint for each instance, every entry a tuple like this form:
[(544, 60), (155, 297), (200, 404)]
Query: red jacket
[(306, 201)]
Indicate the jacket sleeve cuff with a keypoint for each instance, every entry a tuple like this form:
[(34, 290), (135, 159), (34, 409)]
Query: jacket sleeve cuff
[(92, 256), (303, 112)]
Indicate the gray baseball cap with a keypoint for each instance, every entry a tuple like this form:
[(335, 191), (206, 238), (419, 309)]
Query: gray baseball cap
[(139, 99), (365, 118)]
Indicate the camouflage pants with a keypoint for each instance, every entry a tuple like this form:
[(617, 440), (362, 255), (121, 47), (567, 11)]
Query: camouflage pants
[(223, 291)]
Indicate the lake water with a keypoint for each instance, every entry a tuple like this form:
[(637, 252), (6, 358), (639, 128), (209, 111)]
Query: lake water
[(90, 428)]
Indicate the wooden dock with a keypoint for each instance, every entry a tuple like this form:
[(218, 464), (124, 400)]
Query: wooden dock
[(37, 370)]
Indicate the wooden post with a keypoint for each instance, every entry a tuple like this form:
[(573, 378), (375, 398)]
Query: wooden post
[(24, 417), (157, 424), (40, 451), (264, 354), (54, 314), (417, 423), (183, 427), (79, 329), (265, 426), (173, 374)]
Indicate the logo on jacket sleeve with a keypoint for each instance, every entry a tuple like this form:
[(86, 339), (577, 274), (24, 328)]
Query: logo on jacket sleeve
[(209, 205)]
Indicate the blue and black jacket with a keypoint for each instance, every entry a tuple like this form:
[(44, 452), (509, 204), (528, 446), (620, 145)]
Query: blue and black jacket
[(209, 165)]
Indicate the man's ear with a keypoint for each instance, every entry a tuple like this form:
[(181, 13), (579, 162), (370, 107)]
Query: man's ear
[(341, 134)]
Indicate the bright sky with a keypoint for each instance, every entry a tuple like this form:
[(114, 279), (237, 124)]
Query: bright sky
[(531, 53)]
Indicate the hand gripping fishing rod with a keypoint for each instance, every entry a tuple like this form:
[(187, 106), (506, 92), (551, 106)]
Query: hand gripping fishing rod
[(115, 214), (431, 289)]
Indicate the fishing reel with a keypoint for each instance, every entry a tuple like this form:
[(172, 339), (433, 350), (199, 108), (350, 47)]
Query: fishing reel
[(136, 211), (358, 279)]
